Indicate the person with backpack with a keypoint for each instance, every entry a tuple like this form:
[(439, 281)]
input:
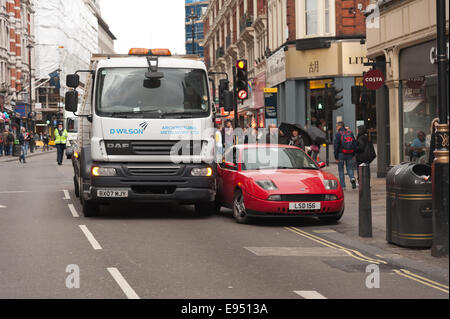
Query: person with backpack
[(344, 151), (365, 151)]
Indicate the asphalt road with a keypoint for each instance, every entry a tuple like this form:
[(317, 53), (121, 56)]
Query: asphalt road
[(166, 252)]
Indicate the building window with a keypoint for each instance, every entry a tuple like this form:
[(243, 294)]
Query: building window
[(327, 16), (311, 17)]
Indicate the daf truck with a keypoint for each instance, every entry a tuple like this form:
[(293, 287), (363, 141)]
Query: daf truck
[(146, 131)]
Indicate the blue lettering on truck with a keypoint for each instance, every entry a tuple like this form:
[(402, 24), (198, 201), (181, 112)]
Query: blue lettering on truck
[(130, 131)]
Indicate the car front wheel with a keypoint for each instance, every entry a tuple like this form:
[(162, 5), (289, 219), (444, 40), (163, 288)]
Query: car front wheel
[(239, 210)]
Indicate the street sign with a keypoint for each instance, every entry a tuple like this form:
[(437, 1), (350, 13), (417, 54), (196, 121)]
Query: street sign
[(242, 94), (373, 79)]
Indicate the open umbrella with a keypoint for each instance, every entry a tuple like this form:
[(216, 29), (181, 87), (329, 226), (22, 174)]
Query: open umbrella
[(287, 129), (317, 134)]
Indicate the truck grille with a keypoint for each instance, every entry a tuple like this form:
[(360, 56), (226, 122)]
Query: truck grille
[(153, 170), (154, 148), (162, 148)]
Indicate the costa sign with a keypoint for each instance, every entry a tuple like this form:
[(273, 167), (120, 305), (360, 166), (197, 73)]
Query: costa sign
[(374, 79)]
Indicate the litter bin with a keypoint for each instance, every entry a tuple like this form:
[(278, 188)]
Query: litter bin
[(409, 205)]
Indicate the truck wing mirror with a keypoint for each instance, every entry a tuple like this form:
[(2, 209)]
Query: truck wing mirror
[(71, 101), (73, 80), (228, 101)]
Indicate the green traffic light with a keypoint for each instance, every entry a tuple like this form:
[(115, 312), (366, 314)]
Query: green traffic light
[(320, 106)]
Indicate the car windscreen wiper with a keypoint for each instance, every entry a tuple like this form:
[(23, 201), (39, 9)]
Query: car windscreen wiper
[(183, 114)]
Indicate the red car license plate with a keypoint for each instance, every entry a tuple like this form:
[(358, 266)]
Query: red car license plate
[(304, 206)]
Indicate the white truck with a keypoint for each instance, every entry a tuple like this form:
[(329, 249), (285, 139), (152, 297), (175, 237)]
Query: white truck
[(146, 131)]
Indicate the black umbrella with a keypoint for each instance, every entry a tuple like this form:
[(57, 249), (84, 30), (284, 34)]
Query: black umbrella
[(317, 134), (287, 129)]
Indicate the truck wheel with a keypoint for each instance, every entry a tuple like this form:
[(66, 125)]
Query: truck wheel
[(90, 209), (205, 209), (239, 211), (76, 187)]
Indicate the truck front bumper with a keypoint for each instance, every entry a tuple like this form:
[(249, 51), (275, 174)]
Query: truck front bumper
[(152, 183)]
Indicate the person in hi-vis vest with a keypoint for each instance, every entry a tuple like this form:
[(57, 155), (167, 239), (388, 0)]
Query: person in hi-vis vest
[(60, 142)]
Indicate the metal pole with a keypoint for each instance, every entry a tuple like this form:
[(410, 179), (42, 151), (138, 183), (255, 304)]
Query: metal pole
[(441, 162), (365, 201), (236, 117), (30, 89)]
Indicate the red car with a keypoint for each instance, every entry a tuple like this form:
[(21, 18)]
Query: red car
[(277, 180)]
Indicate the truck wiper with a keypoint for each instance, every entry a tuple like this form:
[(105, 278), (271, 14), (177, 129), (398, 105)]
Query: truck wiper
[(182, 114), (139, 115)]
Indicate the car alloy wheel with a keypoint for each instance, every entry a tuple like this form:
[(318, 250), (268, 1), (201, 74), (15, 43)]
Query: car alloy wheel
[(239, 210)]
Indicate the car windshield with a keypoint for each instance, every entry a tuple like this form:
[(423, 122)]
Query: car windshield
[(276, 158), (122, 92)]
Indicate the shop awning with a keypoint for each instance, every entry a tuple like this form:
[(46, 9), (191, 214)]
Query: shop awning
[(410, 105)]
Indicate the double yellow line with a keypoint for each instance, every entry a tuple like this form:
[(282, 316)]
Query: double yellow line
[(359, 256), (351, 252)]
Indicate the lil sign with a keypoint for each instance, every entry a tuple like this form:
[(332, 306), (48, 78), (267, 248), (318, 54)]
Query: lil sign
[(374, 79)]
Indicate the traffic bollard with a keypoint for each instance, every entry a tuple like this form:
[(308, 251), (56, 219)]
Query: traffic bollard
[(365, 201)]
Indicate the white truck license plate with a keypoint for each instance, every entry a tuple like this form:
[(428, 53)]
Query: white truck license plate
[(304, 206), (112, 193)]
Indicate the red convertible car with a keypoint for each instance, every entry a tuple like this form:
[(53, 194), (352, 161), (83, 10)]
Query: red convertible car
[(276, 180)]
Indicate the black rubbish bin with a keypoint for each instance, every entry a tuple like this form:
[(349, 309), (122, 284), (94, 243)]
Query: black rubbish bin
[(409, 205), (16, 150)]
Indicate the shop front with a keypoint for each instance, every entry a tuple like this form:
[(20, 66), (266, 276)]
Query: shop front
[(418, 91)]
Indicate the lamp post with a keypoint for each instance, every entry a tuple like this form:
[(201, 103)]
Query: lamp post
[(440, 166), (192, 17), (30, 90)]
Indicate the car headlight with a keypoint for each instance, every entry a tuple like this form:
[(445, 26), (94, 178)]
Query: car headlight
[(330, 197), (103, 171), (330, 184), (268, 185), (205, 172)]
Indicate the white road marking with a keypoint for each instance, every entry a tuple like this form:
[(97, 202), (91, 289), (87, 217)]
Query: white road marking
[(66, 194), (309, 294), (297, 251), (123, 284), (73, 211), (1, 206), (90, 237)]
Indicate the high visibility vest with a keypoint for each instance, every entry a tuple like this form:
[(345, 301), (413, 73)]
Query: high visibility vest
[(60, 139)]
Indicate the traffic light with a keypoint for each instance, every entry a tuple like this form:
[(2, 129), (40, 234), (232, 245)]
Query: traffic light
[(225, 96), (320, 103), (336, 98), (242, 79)]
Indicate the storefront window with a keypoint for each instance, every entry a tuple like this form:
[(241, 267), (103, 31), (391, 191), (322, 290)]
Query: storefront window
[(419, 101)]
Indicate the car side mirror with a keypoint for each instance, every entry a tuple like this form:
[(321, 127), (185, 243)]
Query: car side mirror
[(71, 101), (230, 165)]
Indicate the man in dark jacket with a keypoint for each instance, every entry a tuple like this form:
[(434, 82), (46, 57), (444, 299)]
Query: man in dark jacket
[(344, 151), (362, 148)]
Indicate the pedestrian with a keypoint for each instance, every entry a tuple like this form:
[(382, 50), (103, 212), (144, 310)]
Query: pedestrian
[(297, 139), (2, 142), (433, 130), (219, 144), (283, 137), (45, 140), (252, 135), (60, 142), (22, 143), (272, 135), (228, 134), (315, 145), (344, 151), (363, 149), (5, 142), (10, 142), (418, 147), (28, 140)]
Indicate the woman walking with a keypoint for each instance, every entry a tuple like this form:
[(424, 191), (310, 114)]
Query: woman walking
[(23, 148)]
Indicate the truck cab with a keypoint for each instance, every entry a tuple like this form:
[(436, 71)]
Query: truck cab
[(146, 131)]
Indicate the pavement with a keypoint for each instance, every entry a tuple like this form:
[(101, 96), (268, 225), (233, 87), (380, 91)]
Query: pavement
[(49, 250), (37, 152)]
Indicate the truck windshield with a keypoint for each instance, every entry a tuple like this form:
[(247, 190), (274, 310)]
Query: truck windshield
[(72, 125), (180, 93)]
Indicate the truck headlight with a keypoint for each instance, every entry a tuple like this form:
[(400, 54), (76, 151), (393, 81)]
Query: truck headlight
[(330, 184), (268, 185), (202, 172), (103, 171)]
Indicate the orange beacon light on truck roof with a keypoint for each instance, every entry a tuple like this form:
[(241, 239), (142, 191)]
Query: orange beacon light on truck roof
[(149, 52)]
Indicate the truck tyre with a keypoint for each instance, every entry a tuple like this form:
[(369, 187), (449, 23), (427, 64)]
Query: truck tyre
[(76, 187), (205, 209), (239, 210), (90, 209)]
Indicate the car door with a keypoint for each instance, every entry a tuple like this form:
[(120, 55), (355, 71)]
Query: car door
[(227, 176)]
